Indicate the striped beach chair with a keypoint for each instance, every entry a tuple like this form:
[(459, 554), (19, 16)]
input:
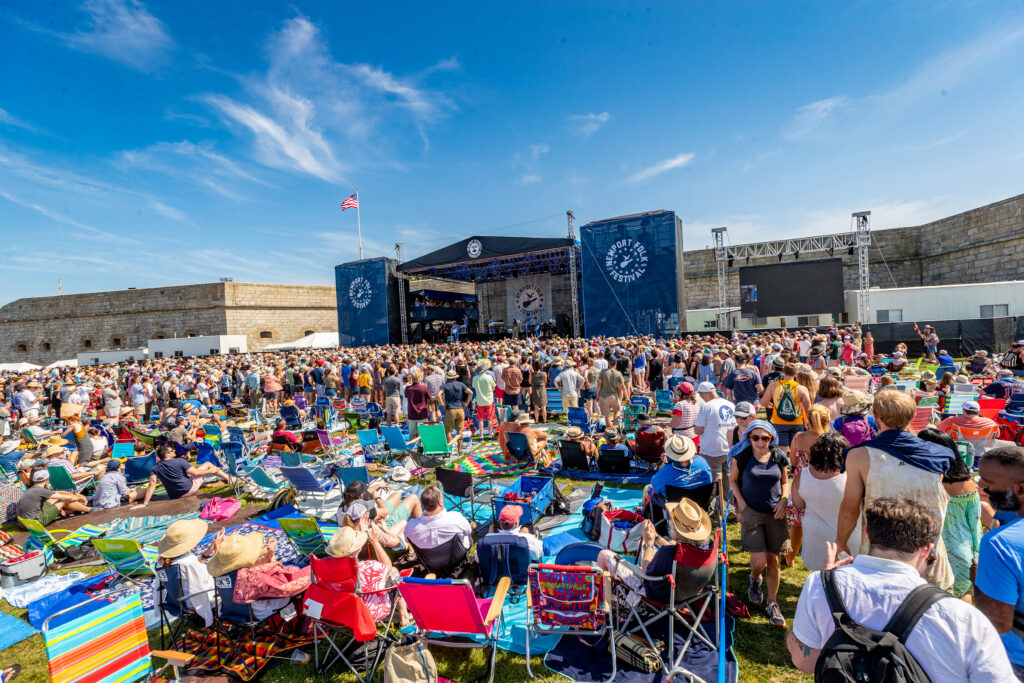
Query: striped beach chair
[(308, 537), (41, 538), (104, 639), (127, 557)]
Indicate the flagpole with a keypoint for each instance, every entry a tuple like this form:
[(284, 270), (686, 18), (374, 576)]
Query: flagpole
[(359, 227)]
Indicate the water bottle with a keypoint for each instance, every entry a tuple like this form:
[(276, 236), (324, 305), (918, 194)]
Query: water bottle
[(596, 493), (299, 657)]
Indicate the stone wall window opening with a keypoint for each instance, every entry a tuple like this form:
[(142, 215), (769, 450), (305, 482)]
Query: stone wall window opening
[(116, 341), (46, 346), (21, 347), (308, 332), (266, 334), (87, 343)]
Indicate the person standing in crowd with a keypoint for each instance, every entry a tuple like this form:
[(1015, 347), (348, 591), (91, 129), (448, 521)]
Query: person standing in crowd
[(816, 492), (513, 378), (952, 642), (539, 393), (895, 463), (999, 587), (800, 454), (453, 396), (417, 398), (392, 394), (611, 392), (588, 393), (684, 411), (789, 402), (744, 382), (483, 390), (714, 422), (570, 383), (758, 475)]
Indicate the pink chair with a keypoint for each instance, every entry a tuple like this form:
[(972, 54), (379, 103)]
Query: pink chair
[(449, 607)]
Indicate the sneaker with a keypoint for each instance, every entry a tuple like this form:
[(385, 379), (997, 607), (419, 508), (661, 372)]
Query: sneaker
[(775, 614), (754, 591)]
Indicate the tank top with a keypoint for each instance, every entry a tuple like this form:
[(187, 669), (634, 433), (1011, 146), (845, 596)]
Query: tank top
[(823, 497), (781, 386), (889, 476), (84, 444)]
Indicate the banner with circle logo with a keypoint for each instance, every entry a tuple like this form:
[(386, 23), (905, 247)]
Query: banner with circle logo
[(361, 289), (528, 298)]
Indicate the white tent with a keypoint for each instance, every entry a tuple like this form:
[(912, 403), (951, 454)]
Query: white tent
[(317, 340), (67, 363), (19, 367)]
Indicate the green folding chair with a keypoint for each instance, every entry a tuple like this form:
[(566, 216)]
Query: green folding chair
[(308, 537), (41, 538), (29, 436), (60, 480), (261, 478), (435, 442), (127, 557)]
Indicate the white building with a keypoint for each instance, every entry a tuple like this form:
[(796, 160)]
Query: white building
[(111, 356), (186, 347), (941, 302), (701, 319)]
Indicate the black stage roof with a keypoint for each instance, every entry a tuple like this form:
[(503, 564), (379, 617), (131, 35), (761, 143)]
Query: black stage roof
[(486, 258)]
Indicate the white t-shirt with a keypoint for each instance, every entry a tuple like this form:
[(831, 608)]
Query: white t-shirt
[(499, 381), (431, 531), (601, 364), (569, 382), (29, 401), (953, 641), (805, 347), (716, 418)]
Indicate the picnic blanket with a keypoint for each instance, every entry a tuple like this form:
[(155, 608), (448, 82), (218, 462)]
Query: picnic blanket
[(246, 657), (146, 530), (13, 631), (284, 553), (487, 459)]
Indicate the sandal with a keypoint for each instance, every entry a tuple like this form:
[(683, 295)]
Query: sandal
[(10, 673)]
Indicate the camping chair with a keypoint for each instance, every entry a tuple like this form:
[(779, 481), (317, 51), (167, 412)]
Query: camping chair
[(41, 538), (231, 457), (463, 485), (642, 401), (857, 382), (569, 601), (503, 556), (943, 369), (519, 447), (955, 404), (445, 559), (347, 475), (29, 436), (396, 441), (578, 553), (578, 417), (290, 415), (447, 607), (206, 454), (703, 496), (138, 469), (630, 414), (435, 442), (693, 589), (127, 557), (554, 401), (369, 439), (61, 480), (965, 389), (177, 616), (304, 481), (212, 434), (980, 440), (108, 642), (306, 535), (663, 397), (374, 410), (342, 624), (613, 460), (262, 480), (573, 456), (122, 450), (923, 416), (340, 406)]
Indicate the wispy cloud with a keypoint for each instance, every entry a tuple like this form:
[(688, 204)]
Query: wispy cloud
[(85, 231), (8, 119), (677, 161), (938, 143), (813, 118), (171, 212), (194, 163), (529, 162), (529, 179), (588, 124), (121, 30)]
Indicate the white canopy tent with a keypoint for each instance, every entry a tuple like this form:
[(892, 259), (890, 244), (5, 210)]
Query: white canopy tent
[(317, 340), (19, 367), (67, 363)]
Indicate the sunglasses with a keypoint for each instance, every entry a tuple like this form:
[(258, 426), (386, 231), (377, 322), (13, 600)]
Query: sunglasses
[(761, 438)]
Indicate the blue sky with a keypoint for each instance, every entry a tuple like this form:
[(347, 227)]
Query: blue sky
[(153, 143)]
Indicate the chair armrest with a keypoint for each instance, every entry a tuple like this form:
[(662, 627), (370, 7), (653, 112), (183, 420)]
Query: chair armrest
[(431, 576), (498, 601), (411, 442), (173, 657)]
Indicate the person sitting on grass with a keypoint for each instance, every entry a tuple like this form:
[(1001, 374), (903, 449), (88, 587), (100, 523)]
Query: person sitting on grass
[(46, 506), (112, 490), (179, 477)]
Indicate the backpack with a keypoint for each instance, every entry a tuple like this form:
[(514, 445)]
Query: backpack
[(856, 653), (856, 429), (786, 407), (285, 496)]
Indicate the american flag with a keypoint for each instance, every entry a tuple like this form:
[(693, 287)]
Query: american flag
[(351, 202)]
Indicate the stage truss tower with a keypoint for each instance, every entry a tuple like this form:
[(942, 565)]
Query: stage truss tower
[(573, 282)]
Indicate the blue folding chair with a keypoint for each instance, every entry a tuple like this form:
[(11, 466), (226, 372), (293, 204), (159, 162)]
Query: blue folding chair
[(578, 417), (502, 555), (578, 553), (641, 401), (369, 439), (374, 410), (123, 450), (206, 454), (290, 415), (347, 475), (519, 446), (555, 401), (304, 481), (138, 469), (395, 439)]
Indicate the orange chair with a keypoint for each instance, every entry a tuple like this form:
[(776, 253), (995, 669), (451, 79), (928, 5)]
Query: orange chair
[(923, 416)]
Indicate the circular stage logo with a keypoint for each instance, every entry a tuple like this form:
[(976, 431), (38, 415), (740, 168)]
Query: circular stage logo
[(529, 299), (474, 248), (360, 292), (626, 260)]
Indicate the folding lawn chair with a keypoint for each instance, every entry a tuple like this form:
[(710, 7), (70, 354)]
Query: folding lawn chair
[(554, 401), (465, 487), (369, 439), (703, 496), (342, 623), (447, 607), (692, 588), (61, 480), (212, 434), (206, 454), (262, 480), (612, 460), (630, 415), (435, 442), (290, 415), (123, 450), (980, 440), (502, 556), (578, 417), (857, 382), (41, 538), (104, 639), (347, 475), (643, 401), (578, 553), (178, 617), (305, 482), (306, 534), (519, 447), (923, 416), (374, 410), (395, 439), (573, 456), (444, 559), (569, 601), (127, 557), (663, 397)]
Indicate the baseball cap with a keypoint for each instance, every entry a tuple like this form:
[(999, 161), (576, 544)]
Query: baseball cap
[(778, 363), (744, 409), (40, 475), (972, 407), (1019, 342), (706, 388), (511, 514)]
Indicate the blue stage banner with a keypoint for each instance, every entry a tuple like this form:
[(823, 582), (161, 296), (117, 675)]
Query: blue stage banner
[(362, 302), (630, 278)]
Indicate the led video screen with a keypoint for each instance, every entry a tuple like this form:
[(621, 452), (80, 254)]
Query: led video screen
[(795, 288)]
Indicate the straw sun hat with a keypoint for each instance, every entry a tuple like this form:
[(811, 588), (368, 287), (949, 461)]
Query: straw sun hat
[(687, 521), (347, 541), (680, 448), (181, 537), (236, 551)]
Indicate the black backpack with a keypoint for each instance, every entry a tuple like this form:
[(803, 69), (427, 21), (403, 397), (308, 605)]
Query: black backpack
[(858, 654)]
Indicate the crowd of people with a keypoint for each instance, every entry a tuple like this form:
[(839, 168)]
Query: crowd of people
[(807, 465)]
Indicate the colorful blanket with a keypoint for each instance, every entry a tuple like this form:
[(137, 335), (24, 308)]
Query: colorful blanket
[(487, 459), (145, 530), (247, 656)]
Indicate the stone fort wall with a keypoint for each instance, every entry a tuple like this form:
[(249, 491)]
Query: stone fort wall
[(981, 245)]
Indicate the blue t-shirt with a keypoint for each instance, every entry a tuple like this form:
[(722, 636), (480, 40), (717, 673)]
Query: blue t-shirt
[(761, 482), (173, 474), (743, 384), (697, 473), (1001, 576), (1003, 388), (346, 372), (946, 360)]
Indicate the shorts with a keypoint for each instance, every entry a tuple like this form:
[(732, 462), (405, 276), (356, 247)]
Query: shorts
[(570, 402), (931, 348), (392, 405), (364, 391), (761, 533), (454, 420), (787, 432), (512, 399), (485, 413), (197, 483), (588, 394), (396, 513), (49, 513)]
